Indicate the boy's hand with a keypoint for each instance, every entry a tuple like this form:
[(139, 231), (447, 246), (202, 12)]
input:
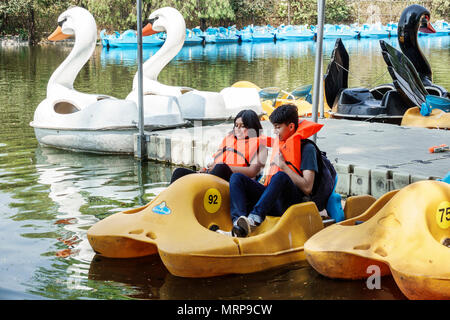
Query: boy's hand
[(279, 161), (210, 166)]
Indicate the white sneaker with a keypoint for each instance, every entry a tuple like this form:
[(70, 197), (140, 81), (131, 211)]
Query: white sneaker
[(226, 233), (248, 224)]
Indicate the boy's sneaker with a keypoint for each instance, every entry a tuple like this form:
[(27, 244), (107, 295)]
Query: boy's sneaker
[(216, 228), (226, 233), (246, 224), (238, 232)]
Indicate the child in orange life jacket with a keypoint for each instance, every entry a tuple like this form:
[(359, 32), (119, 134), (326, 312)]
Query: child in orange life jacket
[(243, 150), (293, 168)]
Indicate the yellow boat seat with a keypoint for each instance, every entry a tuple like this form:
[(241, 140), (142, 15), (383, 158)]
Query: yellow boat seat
[(406, 233), (438, 119), (304, 107), (245, 84), (176, 224)]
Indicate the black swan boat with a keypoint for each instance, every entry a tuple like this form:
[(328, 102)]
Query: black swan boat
[(410, 72)]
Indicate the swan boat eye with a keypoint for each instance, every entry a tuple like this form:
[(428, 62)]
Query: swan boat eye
[(152, 21), (60, 23)]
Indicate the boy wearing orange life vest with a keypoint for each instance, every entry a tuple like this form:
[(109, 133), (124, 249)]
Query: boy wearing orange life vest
[(291, 177)]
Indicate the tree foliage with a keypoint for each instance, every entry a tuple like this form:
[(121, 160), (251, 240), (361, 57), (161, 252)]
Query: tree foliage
[(32, 19), (305, 11), (441, 9), (254, 11)]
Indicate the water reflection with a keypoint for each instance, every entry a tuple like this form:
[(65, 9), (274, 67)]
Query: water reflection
[(149, 279), (83, 189), (286, 64)]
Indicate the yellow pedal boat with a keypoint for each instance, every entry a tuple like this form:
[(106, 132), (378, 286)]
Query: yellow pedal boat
[(176, 225), (405, 232), (269, 104), (438, 119)]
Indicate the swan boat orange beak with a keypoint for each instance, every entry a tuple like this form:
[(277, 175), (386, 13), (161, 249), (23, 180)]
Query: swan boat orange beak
[(148, 30), (58, 35), (426, 26)]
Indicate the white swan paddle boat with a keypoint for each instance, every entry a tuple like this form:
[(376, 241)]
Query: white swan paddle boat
[(69, 119), (194, 104)]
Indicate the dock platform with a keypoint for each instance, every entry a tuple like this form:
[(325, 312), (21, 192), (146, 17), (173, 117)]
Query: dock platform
[(370, 158)]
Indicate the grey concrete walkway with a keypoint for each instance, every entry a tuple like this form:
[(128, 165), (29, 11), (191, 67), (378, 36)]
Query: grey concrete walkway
[(371, 158), (385, 146)]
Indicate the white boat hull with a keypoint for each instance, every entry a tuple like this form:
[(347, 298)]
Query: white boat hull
[(112, 141)]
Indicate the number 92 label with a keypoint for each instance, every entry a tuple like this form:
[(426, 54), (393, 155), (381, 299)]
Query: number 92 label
[(212, 200), (443, 215)]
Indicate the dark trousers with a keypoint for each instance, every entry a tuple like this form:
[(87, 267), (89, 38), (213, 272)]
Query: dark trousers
[(220, 170), (250, 198)]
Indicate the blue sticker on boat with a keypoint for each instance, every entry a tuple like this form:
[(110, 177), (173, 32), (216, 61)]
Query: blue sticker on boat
[(161, 208)]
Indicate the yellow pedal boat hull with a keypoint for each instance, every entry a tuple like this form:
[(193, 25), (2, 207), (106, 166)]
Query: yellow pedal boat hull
[(405, 233), (176, 224), (185, 244), (438, 119)]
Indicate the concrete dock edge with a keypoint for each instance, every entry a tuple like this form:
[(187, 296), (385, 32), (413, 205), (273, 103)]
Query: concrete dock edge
[(388, 160)]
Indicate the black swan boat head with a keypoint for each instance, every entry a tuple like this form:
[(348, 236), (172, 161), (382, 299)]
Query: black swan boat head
[(413, 19), (411, 78)]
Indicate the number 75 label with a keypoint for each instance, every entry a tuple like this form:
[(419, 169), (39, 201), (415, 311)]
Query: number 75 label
[(443, 215)]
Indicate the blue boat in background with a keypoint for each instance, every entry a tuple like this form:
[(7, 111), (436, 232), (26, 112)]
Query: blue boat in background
[(194, 36), (227, 35), (128, 39), (393, 29), (376, 30), (268, 33), (331, 31), (262, 34), (245, 34), (210, 35), (295, 33)]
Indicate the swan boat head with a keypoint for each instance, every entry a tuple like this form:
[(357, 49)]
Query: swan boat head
[(160, 103), (171, 21), (78, 22), (413, 19)]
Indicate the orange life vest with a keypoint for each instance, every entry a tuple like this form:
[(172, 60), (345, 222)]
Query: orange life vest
[(239, 153), (291, 148)]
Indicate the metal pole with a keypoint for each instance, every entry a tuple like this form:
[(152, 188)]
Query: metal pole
[(321, 106), (141, 143), (317, 73)]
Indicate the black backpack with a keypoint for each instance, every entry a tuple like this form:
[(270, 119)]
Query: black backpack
[(325, 179)]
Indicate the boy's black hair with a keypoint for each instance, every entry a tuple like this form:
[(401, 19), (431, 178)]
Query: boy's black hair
[(286, 113), (250, 120)]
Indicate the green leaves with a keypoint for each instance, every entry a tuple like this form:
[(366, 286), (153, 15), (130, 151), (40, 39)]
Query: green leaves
[(214, 11), (305, 11), (38, 16), (440, 9), (254, 11)]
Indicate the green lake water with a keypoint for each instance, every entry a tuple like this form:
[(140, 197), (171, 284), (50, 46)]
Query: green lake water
[(49, 198)]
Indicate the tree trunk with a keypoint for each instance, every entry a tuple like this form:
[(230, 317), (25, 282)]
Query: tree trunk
[(32, 38), (203, 24), (289, 12)]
